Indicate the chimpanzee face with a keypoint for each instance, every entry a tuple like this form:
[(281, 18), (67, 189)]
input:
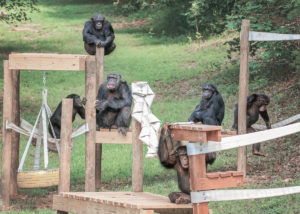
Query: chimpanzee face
[(263, 101), (98, 21), (183, 157), (113, 81)]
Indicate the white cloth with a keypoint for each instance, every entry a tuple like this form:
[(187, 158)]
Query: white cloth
[(142, 98)]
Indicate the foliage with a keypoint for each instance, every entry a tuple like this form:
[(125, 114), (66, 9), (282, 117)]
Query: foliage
[(16, 10)]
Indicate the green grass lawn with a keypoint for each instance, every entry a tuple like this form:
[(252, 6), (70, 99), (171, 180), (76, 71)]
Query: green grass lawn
[(175, 70)]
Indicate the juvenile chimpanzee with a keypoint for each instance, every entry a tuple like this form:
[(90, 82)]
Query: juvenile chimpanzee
[(113, 104), (98, 32), (56, 116), (211, 109), (256, 105), (172, 155)]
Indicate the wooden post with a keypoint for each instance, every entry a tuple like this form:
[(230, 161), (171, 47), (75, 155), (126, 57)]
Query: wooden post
[(99, 81), (198, 171), (7, 136), (65, 146), (15, 135), (243, 93), (90, 117), (137, 158)]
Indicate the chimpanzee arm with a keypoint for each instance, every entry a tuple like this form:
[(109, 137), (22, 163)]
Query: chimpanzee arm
[(195, 114), (235, 123), (87, 33), (166, 159), (124, 100), (265, 116), (81, 112), (109, 34)]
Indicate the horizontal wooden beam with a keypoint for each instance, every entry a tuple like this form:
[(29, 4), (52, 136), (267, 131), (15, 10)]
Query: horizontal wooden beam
[(113, 137), (43, 61)]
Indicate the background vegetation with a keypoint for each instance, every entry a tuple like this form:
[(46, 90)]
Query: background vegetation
[(158, 42)]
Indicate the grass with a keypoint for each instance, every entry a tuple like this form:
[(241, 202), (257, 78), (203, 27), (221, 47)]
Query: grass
[(175, 70)]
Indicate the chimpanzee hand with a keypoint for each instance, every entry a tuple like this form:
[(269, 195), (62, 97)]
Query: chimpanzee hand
[(100, 43), (83, 101), (268, 125), (122, 130), (101, 106)]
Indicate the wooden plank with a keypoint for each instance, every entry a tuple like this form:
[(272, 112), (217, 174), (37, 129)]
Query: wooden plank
[(188, 135), (214, 135), (262, 36), (65, 146), (200, 208), (195, 127), (224, 180), (231, 195), (279, 124), (137, 158), (90, 117), (99, 81), (243, 92), (41, 61), (113, 137), (7, 136), (15, 135)]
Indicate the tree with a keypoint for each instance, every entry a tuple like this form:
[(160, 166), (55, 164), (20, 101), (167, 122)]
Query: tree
[(16, 10)]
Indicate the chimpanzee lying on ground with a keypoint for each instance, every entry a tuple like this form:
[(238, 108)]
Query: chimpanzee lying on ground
[(56, 116), (113, 104), (172, 155), (256, 105), (98, 32)]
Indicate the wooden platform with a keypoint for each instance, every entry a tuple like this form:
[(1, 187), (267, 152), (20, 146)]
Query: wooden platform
[(117, 202)]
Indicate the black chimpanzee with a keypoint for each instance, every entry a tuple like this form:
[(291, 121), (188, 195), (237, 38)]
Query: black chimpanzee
[(113, 104), (172, 155), (211, 109), (98, 32), (56, 116), (256, 105)]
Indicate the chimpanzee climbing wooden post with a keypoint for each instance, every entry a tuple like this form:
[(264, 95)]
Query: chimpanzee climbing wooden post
[(243, 93), (99, 81)]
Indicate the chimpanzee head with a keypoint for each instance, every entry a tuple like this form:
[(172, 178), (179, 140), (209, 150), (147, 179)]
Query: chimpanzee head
[(77, 102), (208, 90), (113, 81), (183, 157), (98, 21), (263, 100)]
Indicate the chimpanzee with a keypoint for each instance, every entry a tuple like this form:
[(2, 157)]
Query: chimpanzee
[(98, 32), (211, 109), (113, 104), (172, 155), (56, 116), (256, 105)]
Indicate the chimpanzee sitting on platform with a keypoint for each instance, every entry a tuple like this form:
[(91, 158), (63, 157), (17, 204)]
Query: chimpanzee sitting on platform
[(56, 116), (113, 104), (256, 105), (98, 32)]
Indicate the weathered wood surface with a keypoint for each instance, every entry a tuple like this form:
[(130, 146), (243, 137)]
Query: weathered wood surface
[(263, 36), (113, 137), (137, 158), (42, 61), (231, 195), (243, 92), (7, 135), (136, 200), (90, 117), (65, 146), (195, 127)]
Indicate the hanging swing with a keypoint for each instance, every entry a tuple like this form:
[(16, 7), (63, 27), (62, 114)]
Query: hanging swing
[(40, 177)]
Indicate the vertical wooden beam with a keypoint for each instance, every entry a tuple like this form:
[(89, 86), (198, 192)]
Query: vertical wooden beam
[(137, 158), (197, 171), (7, 136), (243, 93), (90, 117), (15, 135), (99, 81), (65, 146)]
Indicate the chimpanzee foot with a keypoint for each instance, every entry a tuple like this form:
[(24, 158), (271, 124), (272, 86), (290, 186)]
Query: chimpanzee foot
[(184, 199), (122, 130), (258, 153)]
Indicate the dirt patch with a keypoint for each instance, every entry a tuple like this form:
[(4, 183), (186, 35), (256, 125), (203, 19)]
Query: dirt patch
[(26, 28), (199, 47), (133, 24)]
